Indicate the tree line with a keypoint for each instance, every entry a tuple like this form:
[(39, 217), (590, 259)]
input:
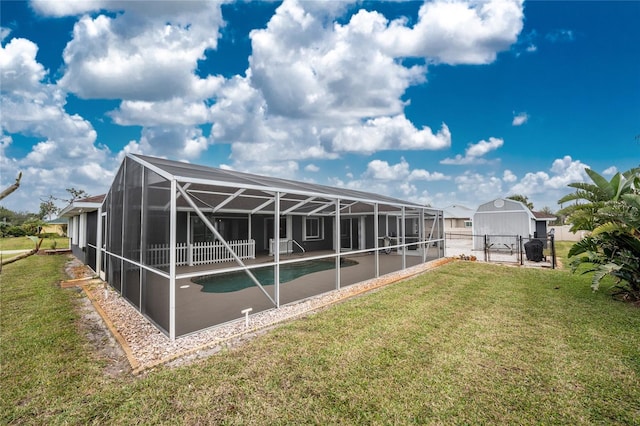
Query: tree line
[(18, 224)]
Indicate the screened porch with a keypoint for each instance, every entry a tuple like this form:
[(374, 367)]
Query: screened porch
[(174, 235)]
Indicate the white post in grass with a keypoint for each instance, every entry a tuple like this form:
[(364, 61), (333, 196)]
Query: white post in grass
[(246, 316)]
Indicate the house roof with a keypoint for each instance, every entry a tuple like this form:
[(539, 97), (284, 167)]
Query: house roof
[(57, 221), (457, 212), (233, 191), (543, 216), (84, 205), (94, 199)]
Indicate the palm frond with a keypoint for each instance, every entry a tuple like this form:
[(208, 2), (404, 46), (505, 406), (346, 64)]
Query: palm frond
[(601, 272), (602, 183)]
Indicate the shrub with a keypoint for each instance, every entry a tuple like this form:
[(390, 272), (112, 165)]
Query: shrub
[(16, 231)]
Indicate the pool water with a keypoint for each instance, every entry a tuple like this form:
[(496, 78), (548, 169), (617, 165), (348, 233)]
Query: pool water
[(234, 281)]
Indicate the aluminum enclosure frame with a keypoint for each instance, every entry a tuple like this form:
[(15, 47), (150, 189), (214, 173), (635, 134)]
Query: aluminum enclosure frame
[(154, 200)]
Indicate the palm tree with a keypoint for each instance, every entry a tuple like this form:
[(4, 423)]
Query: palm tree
[(591, 197), (611, 211), (523, 199)]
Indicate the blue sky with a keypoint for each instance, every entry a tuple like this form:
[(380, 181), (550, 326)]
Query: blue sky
[(437, 102)]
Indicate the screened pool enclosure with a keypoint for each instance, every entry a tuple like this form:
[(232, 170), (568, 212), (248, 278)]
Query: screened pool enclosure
[(192, 247)]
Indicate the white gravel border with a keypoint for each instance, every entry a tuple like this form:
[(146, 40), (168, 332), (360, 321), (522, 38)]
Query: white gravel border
[(147, 347)]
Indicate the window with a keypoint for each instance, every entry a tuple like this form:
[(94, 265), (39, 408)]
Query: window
[(314, 229), (468, 224), (230, 228)]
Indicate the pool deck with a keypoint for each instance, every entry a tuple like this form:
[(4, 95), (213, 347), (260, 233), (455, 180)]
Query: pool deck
[(196, 309)]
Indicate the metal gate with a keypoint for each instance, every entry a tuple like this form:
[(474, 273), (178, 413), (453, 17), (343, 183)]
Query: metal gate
[(501, 249)]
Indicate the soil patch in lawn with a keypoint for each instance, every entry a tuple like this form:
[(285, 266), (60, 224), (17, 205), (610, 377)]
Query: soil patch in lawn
[(102, 343)]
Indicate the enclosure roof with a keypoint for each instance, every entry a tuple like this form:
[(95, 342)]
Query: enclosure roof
[(210, 176)]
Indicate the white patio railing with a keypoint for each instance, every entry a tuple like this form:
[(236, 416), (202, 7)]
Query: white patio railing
[(200, 253)]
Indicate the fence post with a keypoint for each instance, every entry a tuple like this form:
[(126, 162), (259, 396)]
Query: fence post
[(553, 252), (520, 248), (486, 249)]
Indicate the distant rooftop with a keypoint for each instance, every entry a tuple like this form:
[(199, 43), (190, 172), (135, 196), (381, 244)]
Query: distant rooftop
[(543, 215), (457, 212)]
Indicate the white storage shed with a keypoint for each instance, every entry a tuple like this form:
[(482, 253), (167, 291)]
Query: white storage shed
[(505, 218)]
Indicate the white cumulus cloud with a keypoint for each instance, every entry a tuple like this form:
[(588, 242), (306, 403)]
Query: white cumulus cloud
[(520, 119), (475, 152), (540, 184), (320, 84), (19, 70), (35, 108), (457, 32), (148, 52), (509, 177), (386, 133)]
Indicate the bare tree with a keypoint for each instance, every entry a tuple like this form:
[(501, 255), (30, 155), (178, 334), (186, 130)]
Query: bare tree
[(11, 187), (76, 194), (48, 208)]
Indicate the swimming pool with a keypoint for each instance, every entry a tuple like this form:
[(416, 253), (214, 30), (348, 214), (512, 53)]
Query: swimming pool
[(234, 281)]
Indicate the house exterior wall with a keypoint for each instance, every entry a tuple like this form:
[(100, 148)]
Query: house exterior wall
[(79, 253), (83, 230), (53, 228), (369, 241), (456, 223), (325, 243)]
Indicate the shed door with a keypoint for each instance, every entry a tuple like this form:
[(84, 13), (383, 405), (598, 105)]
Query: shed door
[(541, 229)]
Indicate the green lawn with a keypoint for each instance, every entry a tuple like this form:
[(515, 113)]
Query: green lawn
[(468, 343), (25, 243)]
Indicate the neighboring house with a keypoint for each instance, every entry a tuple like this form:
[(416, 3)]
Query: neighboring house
[(505, 218), (82, 216), (458, 219), (191, 247), (56, 226)]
